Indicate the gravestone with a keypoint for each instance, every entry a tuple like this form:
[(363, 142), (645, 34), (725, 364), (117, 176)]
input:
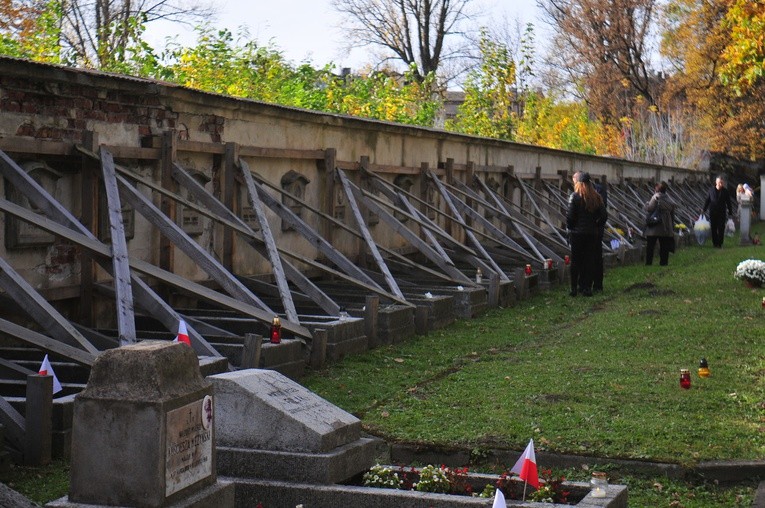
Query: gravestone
[(143, 432), (745, 220), (268, 426)]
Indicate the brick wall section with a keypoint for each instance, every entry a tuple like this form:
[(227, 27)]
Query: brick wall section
[(61, 111)]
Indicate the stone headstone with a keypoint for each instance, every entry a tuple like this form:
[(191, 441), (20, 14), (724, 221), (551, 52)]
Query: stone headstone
[(143, 431), (745, 220), (268, 426)]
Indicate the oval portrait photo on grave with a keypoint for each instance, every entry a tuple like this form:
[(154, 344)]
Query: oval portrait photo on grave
[(207, 412)]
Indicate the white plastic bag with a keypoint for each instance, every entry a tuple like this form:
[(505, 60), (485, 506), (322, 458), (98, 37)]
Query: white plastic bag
[(702, 229), (730, 228)]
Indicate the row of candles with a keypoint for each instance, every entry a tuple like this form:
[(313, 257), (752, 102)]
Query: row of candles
[(548, 264)]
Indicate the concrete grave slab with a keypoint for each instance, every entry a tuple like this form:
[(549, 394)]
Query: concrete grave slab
[(268, 426)]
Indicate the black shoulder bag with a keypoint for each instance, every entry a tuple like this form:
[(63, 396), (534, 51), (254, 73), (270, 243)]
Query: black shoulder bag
[(654, 218)]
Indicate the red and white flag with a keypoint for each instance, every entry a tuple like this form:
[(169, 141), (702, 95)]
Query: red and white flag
[(526, 467), (47, 369), (499, 500), (183, 334)]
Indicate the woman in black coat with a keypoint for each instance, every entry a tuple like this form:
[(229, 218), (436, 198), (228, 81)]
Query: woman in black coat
[(663, 232), (585, 216)]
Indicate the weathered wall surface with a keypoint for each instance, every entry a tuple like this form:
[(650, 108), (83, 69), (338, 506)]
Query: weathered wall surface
[(45, 111)]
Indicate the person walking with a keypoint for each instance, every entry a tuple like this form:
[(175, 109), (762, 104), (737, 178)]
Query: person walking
[(718, 202), (584, 216), (663, 232)]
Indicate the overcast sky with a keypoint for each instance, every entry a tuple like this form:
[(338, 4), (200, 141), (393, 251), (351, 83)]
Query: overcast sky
[(309, 29)]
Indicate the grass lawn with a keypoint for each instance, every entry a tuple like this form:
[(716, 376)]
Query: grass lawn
[(592, 376)]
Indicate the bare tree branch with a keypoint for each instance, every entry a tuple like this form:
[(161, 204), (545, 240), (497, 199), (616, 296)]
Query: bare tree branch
[(417, 32), (97, 30)]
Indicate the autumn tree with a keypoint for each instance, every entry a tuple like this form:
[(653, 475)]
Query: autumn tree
[(219, 62), (713, 45), (743, 74), (604, 46), (31, 29), (490, 94), (423, 33)]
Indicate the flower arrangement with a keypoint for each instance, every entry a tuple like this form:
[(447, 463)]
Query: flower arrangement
[(551, 488), (751, 271), (616, 231), (433, 479), (382, 477)]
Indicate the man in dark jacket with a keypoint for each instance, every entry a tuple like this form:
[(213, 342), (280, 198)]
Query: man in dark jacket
[(718, 202)]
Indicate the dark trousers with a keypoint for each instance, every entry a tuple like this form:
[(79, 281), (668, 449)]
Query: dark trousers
[(665, 247), (582, 261), (717, 223)]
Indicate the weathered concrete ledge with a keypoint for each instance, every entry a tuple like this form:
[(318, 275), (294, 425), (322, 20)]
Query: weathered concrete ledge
[(321, 468), (275, 494)]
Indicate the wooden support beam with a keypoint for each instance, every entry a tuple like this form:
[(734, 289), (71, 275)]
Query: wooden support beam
[(445, 264), (167, 205), (389, 252), (271, 250), (68, 225), (218, 212), (227, 185), (327, 192), (537, 209), (468, 232), (122, 286), (251, 351), (38, 420), (318, 241), (406, 209), (472, 196), (14, 424), (180, 283), (361, 223), (191, 248), (46, 343), (506, 217), (449, 176), (40, 310), (493, 230)]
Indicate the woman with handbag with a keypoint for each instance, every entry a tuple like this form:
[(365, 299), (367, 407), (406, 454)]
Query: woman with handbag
[(659, 225)]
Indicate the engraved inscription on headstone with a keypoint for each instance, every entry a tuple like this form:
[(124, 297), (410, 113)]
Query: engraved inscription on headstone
[(294, 401), (189, 445)]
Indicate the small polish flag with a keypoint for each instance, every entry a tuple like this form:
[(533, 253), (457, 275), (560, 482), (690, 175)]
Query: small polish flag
[(183, 334), (526, 467), (499, 500), (45, 369)]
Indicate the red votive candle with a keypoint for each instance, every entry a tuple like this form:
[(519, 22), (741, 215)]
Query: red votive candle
[(276, 331), (685, 379)]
